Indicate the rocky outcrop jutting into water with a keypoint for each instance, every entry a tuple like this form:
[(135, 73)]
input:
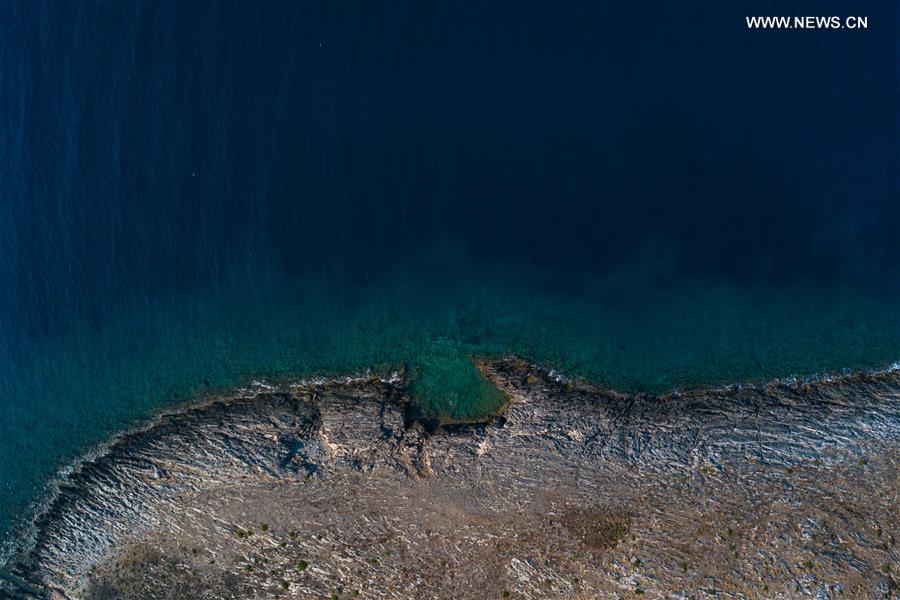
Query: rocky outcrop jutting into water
[(324, 488)]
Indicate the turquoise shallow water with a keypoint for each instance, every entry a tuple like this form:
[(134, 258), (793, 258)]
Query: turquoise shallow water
[(637, 329)]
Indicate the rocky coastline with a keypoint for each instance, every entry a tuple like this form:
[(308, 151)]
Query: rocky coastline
[(328, 488)]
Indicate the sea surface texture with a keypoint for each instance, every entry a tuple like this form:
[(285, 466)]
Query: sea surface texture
[(650, 196)]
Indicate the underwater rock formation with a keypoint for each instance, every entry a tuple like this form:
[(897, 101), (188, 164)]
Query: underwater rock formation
[(326, 489)]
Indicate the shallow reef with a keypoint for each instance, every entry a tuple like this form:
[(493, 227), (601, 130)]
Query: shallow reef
[(332, 488)]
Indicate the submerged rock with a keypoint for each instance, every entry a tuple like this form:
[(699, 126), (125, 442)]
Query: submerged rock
[(327, 489)]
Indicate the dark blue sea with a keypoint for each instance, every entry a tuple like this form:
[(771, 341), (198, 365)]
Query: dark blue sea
[(646, 194)]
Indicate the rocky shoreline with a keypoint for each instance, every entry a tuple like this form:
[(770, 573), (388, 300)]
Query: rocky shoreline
[(326, 489)]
